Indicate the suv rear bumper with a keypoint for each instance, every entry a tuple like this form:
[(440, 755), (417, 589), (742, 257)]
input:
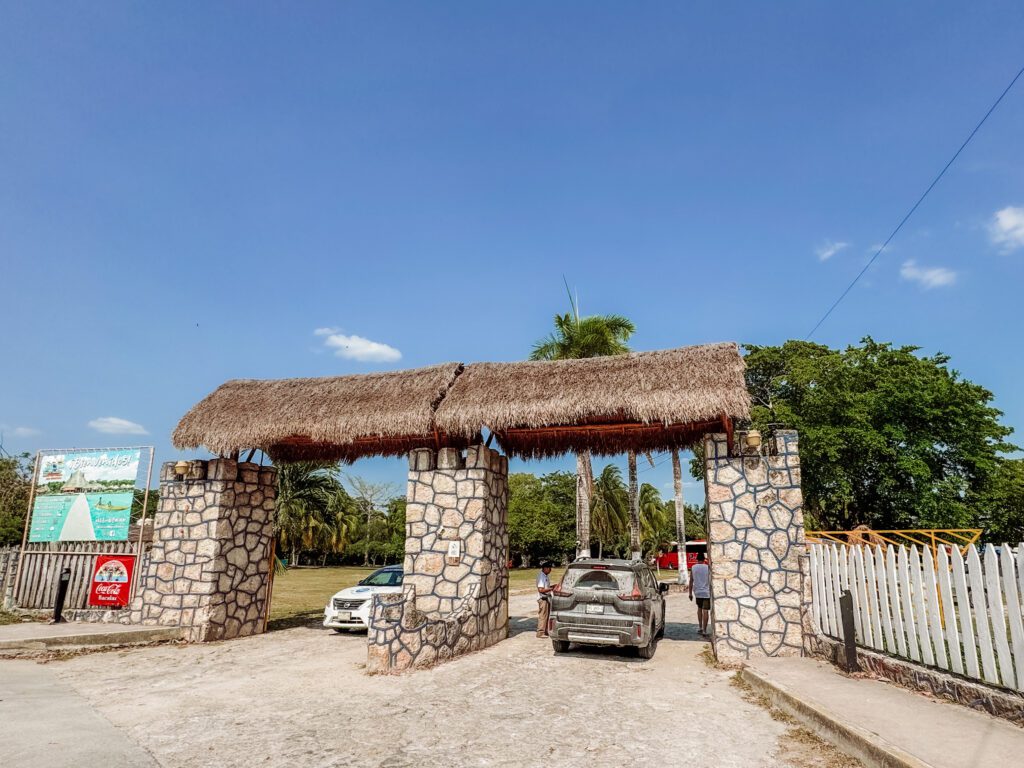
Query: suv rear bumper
[(587, 634)]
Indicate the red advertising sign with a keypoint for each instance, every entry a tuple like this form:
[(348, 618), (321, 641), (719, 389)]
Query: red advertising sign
[(112, 581)]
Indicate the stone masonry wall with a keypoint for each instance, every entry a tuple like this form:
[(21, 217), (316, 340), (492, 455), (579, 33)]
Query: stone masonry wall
[(210, 563), (757, 551), (455, 593)]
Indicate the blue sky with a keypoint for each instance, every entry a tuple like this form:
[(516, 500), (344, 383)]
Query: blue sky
[(190, 190)]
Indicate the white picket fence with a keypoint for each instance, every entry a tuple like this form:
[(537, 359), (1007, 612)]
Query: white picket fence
[(959, 614)]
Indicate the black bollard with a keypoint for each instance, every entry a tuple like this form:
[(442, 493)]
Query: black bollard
[(62, 592), (849, 631)]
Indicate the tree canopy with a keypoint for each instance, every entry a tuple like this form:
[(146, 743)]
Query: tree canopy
[(15, 485), (888, 438)]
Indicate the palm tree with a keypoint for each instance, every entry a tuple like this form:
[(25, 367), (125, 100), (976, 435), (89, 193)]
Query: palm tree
[(305, 492), (677, 484), (654, 523), (343, 519), (609, 507), (577, 337), (634, 509)]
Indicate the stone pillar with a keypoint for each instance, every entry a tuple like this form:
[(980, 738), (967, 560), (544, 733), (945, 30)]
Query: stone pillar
[(455, 596), (756, 547), (210, 563)]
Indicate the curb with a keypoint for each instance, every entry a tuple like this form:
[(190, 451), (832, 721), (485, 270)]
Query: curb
[(868, 747), (106, 639)]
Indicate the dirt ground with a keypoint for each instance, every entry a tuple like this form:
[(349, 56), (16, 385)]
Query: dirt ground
[(298, 697)]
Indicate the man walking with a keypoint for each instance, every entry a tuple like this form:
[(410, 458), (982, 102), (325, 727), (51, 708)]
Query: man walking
[(700, 587), (543, 601)]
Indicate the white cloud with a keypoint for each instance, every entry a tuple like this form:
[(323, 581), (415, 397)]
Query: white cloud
[(830, 249), (357, 347), (927, 277), (1007, 228), (112, 425)]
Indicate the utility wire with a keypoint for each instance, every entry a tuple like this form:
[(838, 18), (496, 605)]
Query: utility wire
[(911, 211)]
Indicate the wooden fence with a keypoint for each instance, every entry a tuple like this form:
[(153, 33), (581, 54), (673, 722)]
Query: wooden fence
[(961, 614), (42, 563)]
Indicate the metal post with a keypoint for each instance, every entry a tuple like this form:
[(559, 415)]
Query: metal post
[(62, 591), (849, 631), (142, 529)]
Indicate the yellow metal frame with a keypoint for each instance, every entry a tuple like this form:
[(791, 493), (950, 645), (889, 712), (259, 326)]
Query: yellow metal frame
[(932, 538)]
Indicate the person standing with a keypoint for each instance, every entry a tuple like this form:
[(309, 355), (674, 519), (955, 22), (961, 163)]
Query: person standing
[(700, 588), (543, 601)]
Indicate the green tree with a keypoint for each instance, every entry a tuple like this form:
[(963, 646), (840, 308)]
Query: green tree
[(541, 516), (1002, 504), (371, 497), (609, 510), (888, 438), (15, 488), (578, 337), (307, 506), (657, 520)]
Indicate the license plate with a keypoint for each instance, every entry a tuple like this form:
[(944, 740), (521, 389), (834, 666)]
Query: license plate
[(595, 609), (343, 616)]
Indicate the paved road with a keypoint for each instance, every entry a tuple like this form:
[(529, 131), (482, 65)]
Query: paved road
[(299, 697), (44, 723)]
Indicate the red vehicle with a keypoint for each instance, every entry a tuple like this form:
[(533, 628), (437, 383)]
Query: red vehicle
[(670, 560)]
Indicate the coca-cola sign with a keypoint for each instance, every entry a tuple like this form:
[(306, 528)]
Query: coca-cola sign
[(112, 581)]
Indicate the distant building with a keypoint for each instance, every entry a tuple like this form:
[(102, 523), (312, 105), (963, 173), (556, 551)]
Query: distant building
[(76, 483)]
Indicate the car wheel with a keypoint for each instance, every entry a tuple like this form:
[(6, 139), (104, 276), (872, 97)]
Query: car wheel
[(647, 651), (661, 630), (560, 646), (341, 631)]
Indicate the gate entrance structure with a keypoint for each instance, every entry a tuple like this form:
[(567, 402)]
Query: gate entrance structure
[(456, 579)]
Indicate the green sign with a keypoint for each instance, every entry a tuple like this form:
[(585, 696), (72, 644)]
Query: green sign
[(85, 496)]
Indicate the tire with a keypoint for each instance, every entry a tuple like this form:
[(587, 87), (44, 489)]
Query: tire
[(647, 651), (341, 631), (661, 630), (560, 646)]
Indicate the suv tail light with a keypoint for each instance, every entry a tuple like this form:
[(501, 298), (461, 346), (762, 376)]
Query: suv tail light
[(636, 594)]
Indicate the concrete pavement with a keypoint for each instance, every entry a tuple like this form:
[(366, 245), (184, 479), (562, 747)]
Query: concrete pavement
[(883, 724), (44, 723), (37, 636)]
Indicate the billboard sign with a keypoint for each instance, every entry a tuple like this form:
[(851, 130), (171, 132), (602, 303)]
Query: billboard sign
[(111, 581), (85, 495)]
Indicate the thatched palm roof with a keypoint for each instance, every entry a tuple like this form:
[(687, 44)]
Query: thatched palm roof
[(330, 418), (643, 401)]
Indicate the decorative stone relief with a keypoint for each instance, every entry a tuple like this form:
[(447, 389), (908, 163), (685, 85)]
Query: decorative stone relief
[(210, 563), (455, 595), (756, 548)]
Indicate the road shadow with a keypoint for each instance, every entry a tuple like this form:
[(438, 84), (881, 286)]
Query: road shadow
[(519, 624), (684, 631)]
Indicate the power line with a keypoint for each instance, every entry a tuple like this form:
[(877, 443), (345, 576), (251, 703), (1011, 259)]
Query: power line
[(919, 201)]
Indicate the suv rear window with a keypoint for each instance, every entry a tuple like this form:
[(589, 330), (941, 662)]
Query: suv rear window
[(598, 578)]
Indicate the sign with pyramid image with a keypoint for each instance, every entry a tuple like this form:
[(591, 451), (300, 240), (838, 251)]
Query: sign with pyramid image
[(85, 495)]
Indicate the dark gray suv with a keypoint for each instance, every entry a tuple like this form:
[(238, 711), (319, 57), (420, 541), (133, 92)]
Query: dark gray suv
[(608, 602)]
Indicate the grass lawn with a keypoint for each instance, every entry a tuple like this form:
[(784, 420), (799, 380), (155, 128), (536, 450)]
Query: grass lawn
[(300, 594)]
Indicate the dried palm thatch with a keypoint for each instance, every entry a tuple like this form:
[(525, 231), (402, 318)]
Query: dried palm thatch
[(642, 401), (330, 419)]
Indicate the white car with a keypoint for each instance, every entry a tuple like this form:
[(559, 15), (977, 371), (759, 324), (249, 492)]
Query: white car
[(350, 608)]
